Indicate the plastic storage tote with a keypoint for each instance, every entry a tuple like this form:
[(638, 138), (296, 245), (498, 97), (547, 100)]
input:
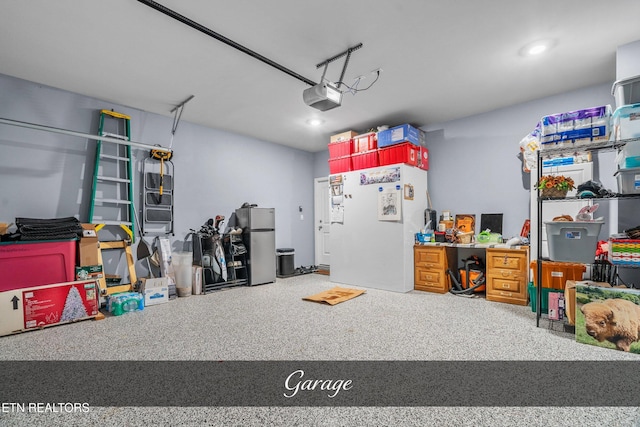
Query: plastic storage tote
[(626, 91), (556, 274), (573, 241), (625, 122), (628, 181)]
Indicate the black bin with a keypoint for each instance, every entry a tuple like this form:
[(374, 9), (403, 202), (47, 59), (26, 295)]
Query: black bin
[(285, 264)]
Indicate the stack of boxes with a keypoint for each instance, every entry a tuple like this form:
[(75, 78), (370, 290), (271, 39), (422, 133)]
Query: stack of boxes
[(401, 144), (365, 151), (340, 150), (625, 125)]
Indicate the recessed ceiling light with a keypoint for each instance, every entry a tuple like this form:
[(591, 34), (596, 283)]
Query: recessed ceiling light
[(537, 47), (315, 122)]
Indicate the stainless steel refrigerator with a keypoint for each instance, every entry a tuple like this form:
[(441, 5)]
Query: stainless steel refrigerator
[(259, 236)]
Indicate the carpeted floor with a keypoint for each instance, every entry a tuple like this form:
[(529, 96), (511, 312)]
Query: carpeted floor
[(272, 322)]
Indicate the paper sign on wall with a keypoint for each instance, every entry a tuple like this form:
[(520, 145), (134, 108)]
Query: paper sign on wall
[(390, 204)]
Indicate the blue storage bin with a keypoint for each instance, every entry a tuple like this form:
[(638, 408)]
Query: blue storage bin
[(400, 134)]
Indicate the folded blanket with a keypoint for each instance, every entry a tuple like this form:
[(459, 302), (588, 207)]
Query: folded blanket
[(48, 229)]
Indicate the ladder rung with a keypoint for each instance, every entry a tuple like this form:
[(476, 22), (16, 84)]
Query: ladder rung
[(108, 156), (115, 135), (115, 201), (99, 221), (110, 178)]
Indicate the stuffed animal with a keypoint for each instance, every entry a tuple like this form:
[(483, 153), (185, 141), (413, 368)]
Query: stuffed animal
[(586, 213)]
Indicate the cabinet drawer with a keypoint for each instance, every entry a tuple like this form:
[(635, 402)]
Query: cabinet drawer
[(429, 276), (506, 284), (508, 291), (508, 274), (430, 257), (509, 260), (430, 281)]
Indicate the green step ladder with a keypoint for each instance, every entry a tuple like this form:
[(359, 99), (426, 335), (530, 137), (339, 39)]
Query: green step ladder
[(112, 190)]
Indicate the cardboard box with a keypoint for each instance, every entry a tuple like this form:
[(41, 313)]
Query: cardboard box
[(3, 228), (88, 246), (570, 296), (608, 317), (155, 291), (335, 295), (400, 134), (89, 272), (344, 136), (41, 306)]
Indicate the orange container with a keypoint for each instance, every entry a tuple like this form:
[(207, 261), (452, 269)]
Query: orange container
[(556, 274)]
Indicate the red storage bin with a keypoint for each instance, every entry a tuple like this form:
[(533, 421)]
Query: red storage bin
[(423, 160), (340, 149), (365, 142), (365, 160), (340, 165), (34, 263), (399, 153)]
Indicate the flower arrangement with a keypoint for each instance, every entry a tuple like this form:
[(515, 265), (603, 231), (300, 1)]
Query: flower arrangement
[(555, 186)]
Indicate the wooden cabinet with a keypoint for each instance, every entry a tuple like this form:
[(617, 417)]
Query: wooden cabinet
[(507, 275), (430, 268)]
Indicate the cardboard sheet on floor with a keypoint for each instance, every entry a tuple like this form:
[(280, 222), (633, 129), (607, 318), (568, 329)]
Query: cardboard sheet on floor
[(335, 295)]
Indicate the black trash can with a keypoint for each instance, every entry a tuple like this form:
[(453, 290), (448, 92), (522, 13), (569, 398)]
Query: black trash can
[(285, 265)]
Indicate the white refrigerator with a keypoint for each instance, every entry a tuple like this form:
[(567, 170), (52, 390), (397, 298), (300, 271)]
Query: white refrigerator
[(375, 214)]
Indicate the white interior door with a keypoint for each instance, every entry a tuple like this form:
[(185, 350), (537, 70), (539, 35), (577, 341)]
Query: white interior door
[(322, 221)]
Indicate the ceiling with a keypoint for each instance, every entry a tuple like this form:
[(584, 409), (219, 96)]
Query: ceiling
[(440, 60)]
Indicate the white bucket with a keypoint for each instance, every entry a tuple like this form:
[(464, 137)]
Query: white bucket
[(182, 262)]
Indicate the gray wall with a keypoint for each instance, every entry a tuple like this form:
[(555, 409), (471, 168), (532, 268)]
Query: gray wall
[(474, 163), (48, 175), (628, 60)]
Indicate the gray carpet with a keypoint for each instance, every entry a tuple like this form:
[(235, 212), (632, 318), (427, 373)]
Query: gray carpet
[(272, 322)]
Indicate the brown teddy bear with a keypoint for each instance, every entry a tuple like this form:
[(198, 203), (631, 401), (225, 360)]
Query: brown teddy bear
[(615, 320)]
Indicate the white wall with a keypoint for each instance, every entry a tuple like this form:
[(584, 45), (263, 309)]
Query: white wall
[(48, 175)]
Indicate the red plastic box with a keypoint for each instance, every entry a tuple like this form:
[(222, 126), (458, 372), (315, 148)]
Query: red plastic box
[(365, 160), (340, 165), (365, 142), (340, 149), (24, 264), (423, 161), (400, 153)]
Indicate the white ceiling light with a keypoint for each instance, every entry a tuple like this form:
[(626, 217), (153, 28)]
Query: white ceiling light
[(537, 47), (315, 122)]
